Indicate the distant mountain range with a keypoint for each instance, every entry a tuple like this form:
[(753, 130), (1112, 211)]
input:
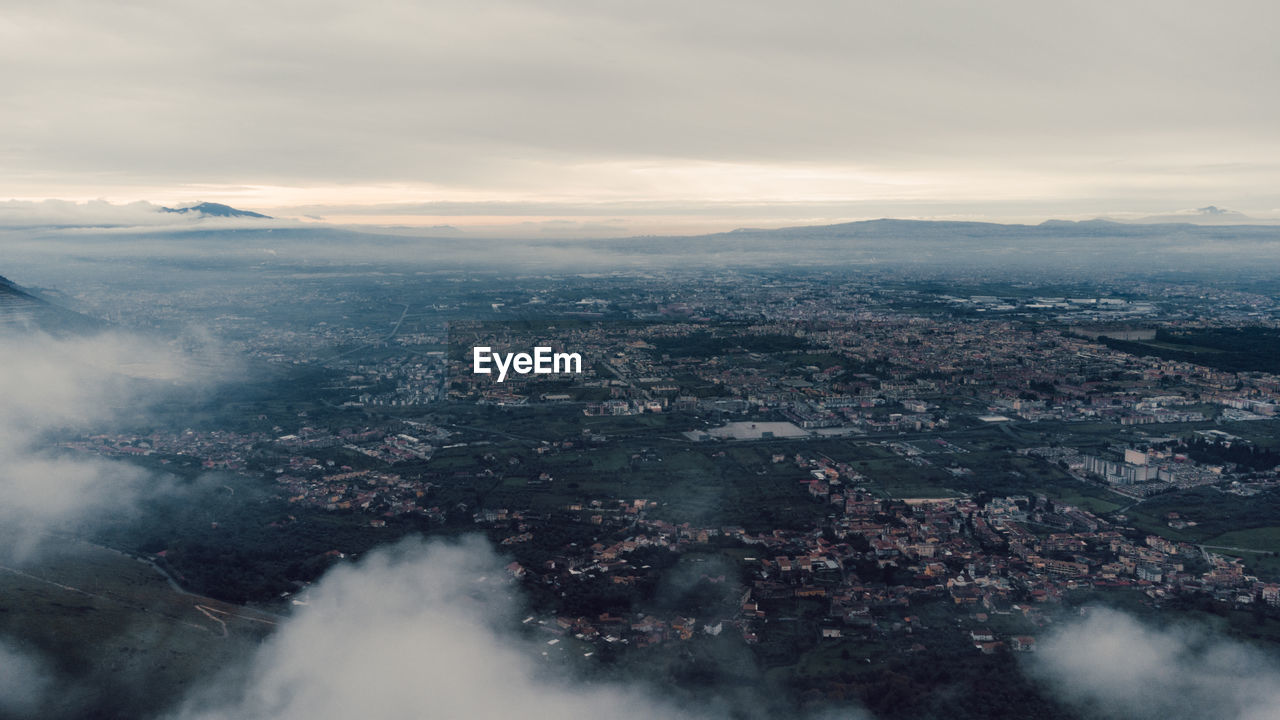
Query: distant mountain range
[(1208, 215), (209, 209), (1177, 243), (1054, 245), (889, 228)]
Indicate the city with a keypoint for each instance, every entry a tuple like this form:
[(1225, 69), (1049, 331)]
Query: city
[(815, 469), (728, 360)]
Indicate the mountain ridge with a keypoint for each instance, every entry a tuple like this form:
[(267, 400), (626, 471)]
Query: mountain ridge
[(212, 209), (23, 310)]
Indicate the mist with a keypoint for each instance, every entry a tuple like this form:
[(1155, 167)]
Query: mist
[(93, 213), (422, 629), (53, 385), (53, 256), (24, 681), (412, 630), (1114, 666)]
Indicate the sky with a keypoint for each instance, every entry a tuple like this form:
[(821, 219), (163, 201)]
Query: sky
[(622, 117)]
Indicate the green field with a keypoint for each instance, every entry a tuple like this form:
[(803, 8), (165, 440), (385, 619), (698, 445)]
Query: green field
[(1215, 514), (1264, 565), (1232, 349), (1265, 539), (1098, 504)]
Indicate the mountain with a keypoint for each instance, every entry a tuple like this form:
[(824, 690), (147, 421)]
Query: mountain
[(1096, 223), (1208, 215), (1058, 246), (888, 233), (208, 209), (1055, 246), (21, 309)]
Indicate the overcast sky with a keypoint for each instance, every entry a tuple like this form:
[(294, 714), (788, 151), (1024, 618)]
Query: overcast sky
[(644, 116)]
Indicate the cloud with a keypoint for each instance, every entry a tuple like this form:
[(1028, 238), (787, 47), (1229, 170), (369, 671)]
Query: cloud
[(1115, 666), (494, 99), (419, 629), (24, 682), (412, 631), (92, 213), (51, 384)]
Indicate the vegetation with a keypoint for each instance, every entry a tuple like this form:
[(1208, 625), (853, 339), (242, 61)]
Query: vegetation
[(708, 344), (1241, 454), (1230, 349)]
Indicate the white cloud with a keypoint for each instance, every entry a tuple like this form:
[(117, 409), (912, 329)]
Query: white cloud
[(412, 631), (1118, 667), (24, 682), (419, 629), (53, 383), (92, 213)]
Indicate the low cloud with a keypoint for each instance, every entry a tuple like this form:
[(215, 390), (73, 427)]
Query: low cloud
[(1114, 666), (411, 631), (55, 384), (24, 681), (94, 213), (420, 629)]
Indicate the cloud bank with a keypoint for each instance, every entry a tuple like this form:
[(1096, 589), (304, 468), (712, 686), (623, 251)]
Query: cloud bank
[(51, 384), (411, 631), (24, 682), (1114, 666)]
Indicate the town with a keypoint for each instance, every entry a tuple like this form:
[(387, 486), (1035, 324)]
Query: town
[(809, 465)]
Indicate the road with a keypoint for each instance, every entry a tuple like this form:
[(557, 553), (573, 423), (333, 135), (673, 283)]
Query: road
[(1232, 549), (394, 329)]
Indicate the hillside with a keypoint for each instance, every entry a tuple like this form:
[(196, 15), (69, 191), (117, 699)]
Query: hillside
[(208, 209), (21, 309)]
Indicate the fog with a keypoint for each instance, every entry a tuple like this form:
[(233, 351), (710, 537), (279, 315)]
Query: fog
[(1115, 666), (77, 383), (428, 629), (61, 257), (423, 629), (24, 681), (93, 213)]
